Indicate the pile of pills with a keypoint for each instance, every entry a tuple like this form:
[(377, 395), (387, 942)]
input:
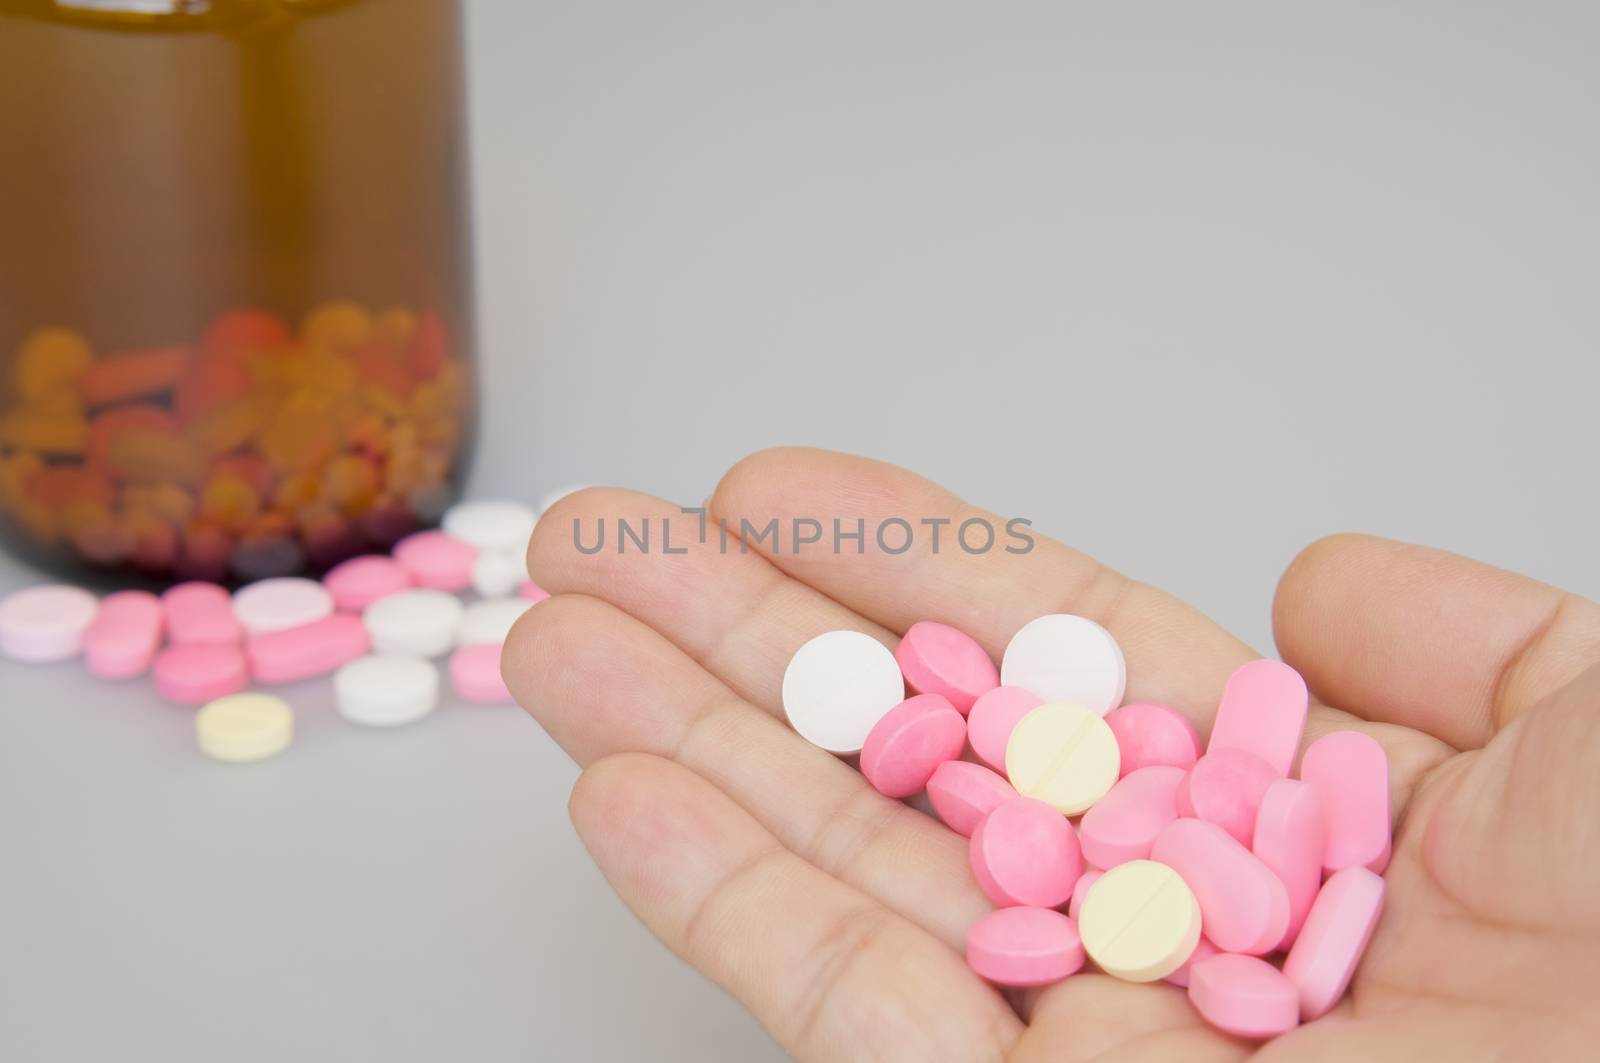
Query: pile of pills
[(1107, 833), (376, 623), (242, 453)]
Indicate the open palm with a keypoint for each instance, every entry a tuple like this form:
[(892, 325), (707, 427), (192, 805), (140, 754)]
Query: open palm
[(838, 916)]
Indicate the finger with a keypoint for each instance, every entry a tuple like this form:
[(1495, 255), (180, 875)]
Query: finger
[(1094, 1016), (1174, 653), (727, 608), (1426, 639), (830, 973), (602, 682)]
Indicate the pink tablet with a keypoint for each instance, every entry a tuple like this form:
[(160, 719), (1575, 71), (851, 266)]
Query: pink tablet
[(909, 742), (1150, 734), (938, 659)]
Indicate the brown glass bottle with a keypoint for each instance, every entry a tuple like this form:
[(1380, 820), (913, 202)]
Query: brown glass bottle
[(235, 302)]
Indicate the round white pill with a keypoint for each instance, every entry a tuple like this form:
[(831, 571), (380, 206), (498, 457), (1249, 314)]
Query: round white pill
[(837, 686), (492, 524), (496, 573), (1067, 659), (420, 622), (489, 622), (47, 623), (277, 604), (244, 727), (549, 500), (385, 690)]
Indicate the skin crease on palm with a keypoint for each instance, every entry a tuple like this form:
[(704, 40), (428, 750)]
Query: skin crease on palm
[(838, 916)]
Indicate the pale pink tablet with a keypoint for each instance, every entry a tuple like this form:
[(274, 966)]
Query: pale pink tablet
[(41, 624), (200, 614), (939, 659), (1335, 936), (909, 742), (195, 673), (963, 793), (1123, 824), (1263, 711), (1225, 787), (532, 591), (1243, 996), (1024, 947), (437, 560), (280, 603), (126, 633), (1203, 949), (1290, 839), (1243, 906), (1351, 773), (317, 648), (1080, 890), (1149, 734), (1025, 853), (360, 581), (993, 717), (475, 674)]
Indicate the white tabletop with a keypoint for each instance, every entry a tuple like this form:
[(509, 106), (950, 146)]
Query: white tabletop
[(1187, 289)]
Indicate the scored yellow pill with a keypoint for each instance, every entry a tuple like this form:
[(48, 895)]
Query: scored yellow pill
[(1140, 921), (1063, 755), (244, 727)]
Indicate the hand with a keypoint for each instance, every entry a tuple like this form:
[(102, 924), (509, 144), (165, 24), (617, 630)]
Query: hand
[(838, 916)]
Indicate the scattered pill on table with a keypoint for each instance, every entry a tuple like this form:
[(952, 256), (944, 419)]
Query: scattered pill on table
[(360, 581), (490, 620), (122, 640), (200, 614), (275, 604), (475, 675), (437, 560), (496, 574), (494, 525), (244, 727), (44, 624), (318, 648), (386, 690), (418, 622), (195, 673)]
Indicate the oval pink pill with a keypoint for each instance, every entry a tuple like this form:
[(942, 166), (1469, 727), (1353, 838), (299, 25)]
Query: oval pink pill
[(1243, 906), (1263, 711), (964, 793), (195, 673), (200, 614), (992, 719), (1290, 839), (1080, 890), (1149, 734), (1243, 996), (1025, 853), (360, 581), (1203, 949), (939, 659), (1123, 824), (909, 742), (1226, 788), (1332, 942), (475, 674), (42, 624), (1350, 772), (1024, 947), (309, 650), (437, 560), (126, 633)]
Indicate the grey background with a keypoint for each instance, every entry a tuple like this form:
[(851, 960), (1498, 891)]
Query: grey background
[(1188, 285)]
